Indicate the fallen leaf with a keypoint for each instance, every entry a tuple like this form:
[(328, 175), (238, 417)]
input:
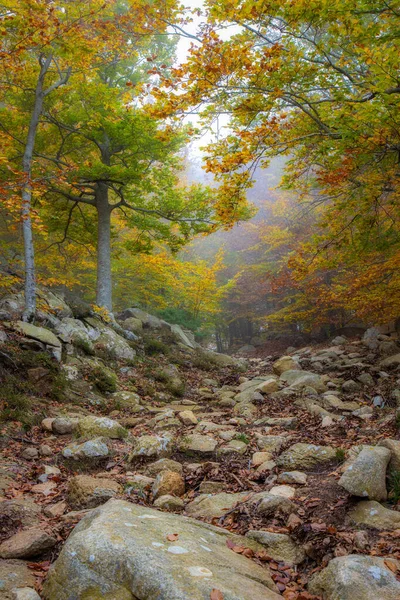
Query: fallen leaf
[(390, 565), (216, 594), (172, 537)]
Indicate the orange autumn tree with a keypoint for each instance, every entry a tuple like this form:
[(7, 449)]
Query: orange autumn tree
[(316, 82)]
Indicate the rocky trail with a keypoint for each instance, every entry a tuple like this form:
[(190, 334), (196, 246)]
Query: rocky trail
[(156, 470)]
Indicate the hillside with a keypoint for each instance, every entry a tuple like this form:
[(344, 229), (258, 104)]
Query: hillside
[(114, 433)]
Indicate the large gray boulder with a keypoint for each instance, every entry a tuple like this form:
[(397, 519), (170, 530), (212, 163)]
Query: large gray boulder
[(372, 514), (305, 456), (366, 475), (299, 380), (357, 577), (121, 551)]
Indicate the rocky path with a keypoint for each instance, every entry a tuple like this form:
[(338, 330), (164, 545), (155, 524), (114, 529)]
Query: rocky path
[(202, 481)]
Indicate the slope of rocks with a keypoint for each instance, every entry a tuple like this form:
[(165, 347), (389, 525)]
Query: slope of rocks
[(156, 469)]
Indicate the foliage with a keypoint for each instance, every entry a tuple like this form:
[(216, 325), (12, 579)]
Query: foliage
[(318, 83), (104, 379), (153, 347)]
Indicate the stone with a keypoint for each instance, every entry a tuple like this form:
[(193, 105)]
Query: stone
[(151, 446), (206, 506), (366, 476), (25, 594), (121, 551), (366, 379), (45, 450), (55, 510), (197, 444), (350, 386), (233, 447), (390, 362), (394, 447), (370, 338), (271, 443), (168, 483), (30, 453), (211, 487), (139, 483), (372, 514), (45, 336), (26, 544), (279, 546), (284, 491), (268, 387), (339, 340), (259, 458), (92, 450), (127, 400), (47, 424), (284, 422), (188, 417), (22, 511), (85, 491), (14, 574), (270, 505), (181, 336), (164, 464), (247, 410), (357, 577), (268, 465), (171, 503), (93, 427), (305, 456), (134, 325), (285, 363), (64, 425), (292, 477), (299, 380)]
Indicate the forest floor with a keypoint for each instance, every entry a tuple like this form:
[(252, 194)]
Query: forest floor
[(318, 522)]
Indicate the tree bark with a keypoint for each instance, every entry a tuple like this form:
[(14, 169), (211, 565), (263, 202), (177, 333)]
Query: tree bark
[(104, 281), (29, 253)]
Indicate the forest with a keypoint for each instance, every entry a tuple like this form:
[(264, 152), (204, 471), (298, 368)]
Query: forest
[(200, 299)]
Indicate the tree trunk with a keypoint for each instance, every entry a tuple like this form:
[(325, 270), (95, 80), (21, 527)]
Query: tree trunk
[(104, 281), (29, 254)]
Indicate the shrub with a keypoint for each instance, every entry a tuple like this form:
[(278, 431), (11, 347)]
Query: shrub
[(153, 347)]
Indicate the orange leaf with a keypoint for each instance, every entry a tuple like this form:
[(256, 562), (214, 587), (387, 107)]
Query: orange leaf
[(216, 595), (172, 537)]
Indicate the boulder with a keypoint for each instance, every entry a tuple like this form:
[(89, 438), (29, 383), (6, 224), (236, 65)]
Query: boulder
[(366, 475), (133, 324), (280, 546), (299, 380), (168, 483), (92, 450), (233, 447), (357, 577), (21, 511), (85, 491), (394, 447), (270, 505), (127, 400), (63, 425), (284, 491), (207, 506), (285, 363), (41, 334), (122, 551), (151, 446), (188, 417), (93, 427), (14, 574), (197, 444), (293, 477), (181, 336), (164, 464), (25, 594), (27, 543), (390, 362), (373, 514), (171, 503), (305, 456), (268, 386), (271, 443)]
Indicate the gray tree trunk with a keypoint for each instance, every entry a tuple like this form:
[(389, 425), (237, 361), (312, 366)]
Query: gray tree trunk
[(26, 194), (29, 253), (104, 281)]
